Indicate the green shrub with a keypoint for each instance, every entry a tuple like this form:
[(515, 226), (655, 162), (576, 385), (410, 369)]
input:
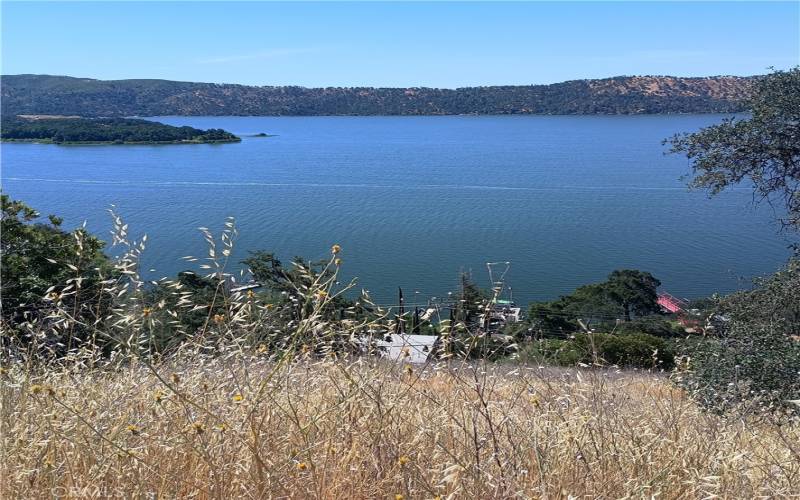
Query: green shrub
[(658, 326), (552, 351), (750, 368), (628, 350), (752, 362), (490, 347), (636, 350)]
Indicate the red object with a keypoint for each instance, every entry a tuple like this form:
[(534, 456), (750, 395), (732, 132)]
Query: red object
[(670, 303)]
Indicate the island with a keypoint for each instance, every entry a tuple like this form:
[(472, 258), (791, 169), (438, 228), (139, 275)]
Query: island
[(77, 130)]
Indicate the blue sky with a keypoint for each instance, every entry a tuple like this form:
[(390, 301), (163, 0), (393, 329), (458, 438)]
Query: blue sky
[(397, 44)]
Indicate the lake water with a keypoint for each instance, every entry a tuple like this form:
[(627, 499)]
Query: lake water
[(414, 200)]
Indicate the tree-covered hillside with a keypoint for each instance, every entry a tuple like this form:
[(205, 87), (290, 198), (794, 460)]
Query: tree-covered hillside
[(105, 130), (61, 95)]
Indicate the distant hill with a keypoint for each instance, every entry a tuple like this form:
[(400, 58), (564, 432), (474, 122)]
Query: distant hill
[(62, 95)]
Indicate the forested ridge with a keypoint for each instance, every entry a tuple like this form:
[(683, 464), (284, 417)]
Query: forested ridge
[(62, 95)]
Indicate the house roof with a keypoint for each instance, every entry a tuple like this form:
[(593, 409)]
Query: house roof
[(408, 348)]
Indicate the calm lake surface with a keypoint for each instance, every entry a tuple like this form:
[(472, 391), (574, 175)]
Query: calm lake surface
[(414, 200)]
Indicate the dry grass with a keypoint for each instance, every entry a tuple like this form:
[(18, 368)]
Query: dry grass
[(250, 405), (245, 426)]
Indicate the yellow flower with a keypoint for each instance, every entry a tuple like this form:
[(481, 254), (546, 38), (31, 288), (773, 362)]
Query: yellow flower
[(250, 294), (198, 427), (133, 429), (219, 318), (159, 396), (321, 294), (270, 306), (238, 398), (301, 466), (403, 460), (262, 348), (336, 249), (399, 497), (146, 311), (38, 389), (338, 262), (222, 427)]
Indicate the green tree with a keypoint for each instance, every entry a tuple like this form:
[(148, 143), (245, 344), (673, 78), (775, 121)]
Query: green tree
[(42, 264), (592, 303), (550, 318), (634, 291), (762, 150), (752, 362), (626, 293), (291, 285), (470, 300)]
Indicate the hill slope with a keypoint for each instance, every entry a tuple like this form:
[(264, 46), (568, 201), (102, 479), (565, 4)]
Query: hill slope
[(61, 95)]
